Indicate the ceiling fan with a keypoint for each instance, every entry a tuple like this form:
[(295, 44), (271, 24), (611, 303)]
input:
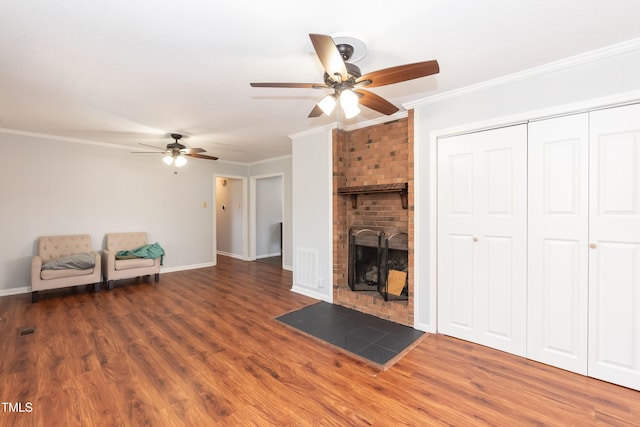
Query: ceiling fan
[(175, 152), (348, 83)]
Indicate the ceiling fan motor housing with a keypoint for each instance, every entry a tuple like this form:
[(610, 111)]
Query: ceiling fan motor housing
[(175, 147), (346, 50), (353, 72)]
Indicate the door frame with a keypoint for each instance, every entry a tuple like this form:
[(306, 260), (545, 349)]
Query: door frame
[(245, 216), (252, 212)]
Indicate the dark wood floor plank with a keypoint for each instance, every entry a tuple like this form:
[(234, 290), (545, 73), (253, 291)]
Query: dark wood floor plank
[(202, 347)]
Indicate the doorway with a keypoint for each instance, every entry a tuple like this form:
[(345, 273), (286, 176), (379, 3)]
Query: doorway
[(267, 218), (230, 216)]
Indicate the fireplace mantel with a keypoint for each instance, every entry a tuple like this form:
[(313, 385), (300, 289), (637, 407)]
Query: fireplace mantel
[(353, 192)]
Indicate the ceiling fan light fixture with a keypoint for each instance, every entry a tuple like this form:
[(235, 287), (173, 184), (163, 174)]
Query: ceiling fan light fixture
[(349, 104), (180, 161), (327, 104), (351, 112), (168, 159), (348, 99)]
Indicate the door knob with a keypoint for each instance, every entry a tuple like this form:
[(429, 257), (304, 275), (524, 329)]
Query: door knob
[(593, 245), (475, 239)]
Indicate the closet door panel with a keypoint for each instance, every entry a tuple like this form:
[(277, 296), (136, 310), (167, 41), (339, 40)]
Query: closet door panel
[(614, 233), (502, 238), (457, 249), (557, 294), (482, 238)]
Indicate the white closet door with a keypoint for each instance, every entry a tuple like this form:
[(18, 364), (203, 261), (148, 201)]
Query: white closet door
[(614, 257), (482, 199), (457, 252), (558, 246)]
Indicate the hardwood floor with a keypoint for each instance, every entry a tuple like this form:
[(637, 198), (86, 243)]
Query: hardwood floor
[(202, 348)]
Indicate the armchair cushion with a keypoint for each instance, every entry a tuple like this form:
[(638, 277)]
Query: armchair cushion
[(76, 261), (58, 274), (125, 264)]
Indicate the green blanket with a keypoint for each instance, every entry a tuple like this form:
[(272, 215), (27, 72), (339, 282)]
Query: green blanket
[(153, 250)]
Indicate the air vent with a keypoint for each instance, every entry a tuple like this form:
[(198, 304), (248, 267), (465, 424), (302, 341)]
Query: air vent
[(27, 331)]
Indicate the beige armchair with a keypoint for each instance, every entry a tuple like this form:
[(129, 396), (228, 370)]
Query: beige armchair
[(64, 261), (116, 269)]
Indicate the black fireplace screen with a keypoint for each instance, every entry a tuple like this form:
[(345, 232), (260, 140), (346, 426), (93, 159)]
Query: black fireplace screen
[(377, 262), (394, 267), (364, 259)]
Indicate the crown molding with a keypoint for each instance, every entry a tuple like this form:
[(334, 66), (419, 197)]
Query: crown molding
[(271, 159), (380, 120), (314, 131), (62, 138), (572, 61)]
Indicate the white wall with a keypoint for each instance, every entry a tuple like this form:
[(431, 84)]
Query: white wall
[(269, 197), (229, 217), (313, 209), (280, 166), (571, 83), (52, 187)]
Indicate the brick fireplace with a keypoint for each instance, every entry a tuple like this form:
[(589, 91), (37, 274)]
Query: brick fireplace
[(370, 166)]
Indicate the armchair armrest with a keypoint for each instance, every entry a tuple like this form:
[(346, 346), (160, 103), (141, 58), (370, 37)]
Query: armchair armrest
[(108, 261), (36, 267)]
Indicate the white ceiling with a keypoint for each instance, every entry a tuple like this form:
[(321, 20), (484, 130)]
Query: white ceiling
[(131, 71)]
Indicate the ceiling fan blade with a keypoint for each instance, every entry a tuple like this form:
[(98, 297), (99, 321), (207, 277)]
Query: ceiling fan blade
[(400, 73), (192, 150), (291, 85), (329, 55), (375, 102), (201, 156), (317, 111)]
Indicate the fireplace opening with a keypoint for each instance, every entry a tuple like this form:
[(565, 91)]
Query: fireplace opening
[(394, 268), (379, 263), (364, 259)]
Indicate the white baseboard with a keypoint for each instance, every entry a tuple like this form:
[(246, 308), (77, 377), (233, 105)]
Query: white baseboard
[(268, 255), (27, 289), (15, 291), (309, 293), (236, 256), (187, 267), (287, 267), (424, 327)]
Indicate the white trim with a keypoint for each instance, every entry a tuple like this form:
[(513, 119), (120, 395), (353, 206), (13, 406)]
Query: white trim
[(252, 218), (310, 293), (327, 283), (268, 255), (66, 139), (610, 101), (187, 267), (314, 131), (572, 61), (27, 289), (230, 255), (381, 120), (15, 291), (120, 146), (245, 216), (419, 277), (253, 215), (287, 156), (287, 267), (416, 229)]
